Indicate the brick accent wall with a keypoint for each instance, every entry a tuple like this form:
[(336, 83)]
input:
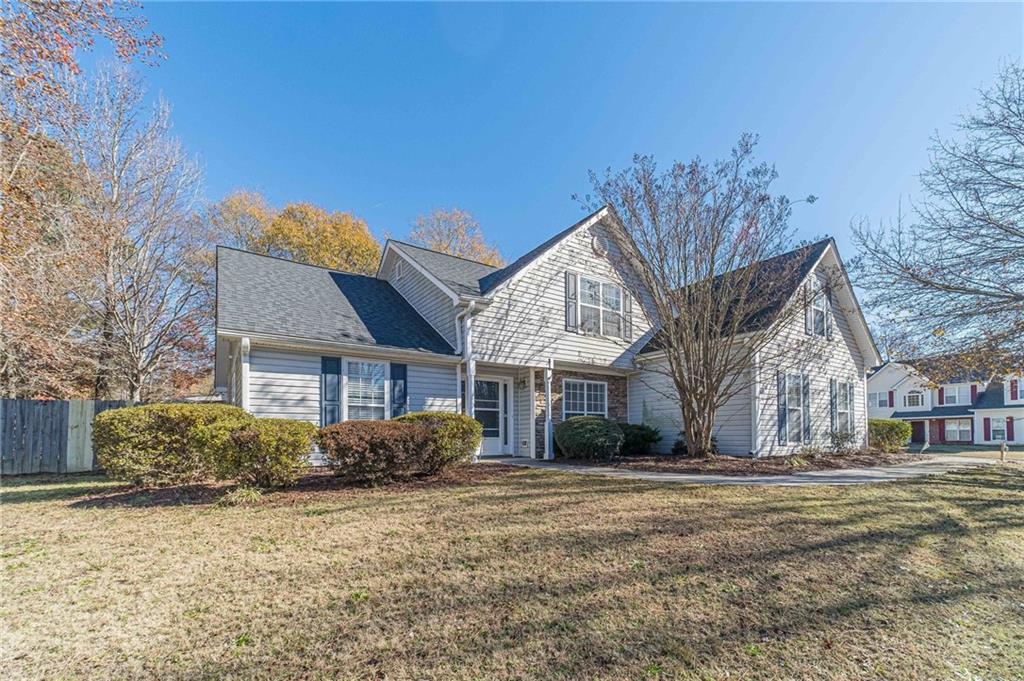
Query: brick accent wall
[(617, 407)]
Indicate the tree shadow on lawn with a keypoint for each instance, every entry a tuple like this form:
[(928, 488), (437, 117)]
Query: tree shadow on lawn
[(314, 486), (42, 488)]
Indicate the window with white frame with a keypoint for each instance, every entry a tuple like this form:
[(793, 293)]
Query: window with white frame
[(958, 430), (878, 399), (584, 398), (998, 429), (795, 408), (600, 307), (844, 407), (956, 394), (819, 312), (914, 398), (365, 390)]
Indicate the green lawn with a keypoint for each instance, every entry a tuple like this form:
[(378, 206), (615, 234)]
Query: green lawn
[(517, 573)]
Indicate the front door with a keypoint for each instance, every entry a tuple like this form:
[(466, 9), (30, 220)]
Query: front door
[(491, 410), (917, 432)]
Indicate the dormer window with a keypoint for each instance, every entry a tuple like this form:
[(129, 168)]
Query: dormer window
[(956, 395), (915, 398)]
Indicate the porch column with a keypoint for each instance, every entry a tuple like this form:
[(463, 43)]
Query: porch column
[(244, 379), (533, 414), (549, 432), (471, 378)]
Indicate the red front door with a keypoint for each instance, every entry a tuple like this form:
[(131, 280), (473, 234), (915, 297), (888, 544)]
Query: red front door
[(917, 432)]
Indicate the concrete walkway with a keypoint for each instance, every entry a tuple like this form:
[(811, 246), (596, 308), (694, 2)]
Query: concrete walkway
[(848, 476)]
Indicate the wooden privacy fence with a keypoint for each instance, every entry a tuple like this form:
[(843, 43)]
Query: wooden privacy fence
[(49, 436)]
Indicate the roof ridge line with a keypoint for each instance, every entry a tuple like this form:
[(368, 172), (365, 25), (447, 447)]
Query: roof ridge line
[(431, 250), (297, 262)]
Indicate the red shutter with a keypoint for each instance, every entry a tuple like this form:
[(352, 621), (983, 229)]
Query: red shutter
[(942, 431), (942, 396), (1009, 428), (892, 399), (988, 429), (974, 394), (1014, 390)]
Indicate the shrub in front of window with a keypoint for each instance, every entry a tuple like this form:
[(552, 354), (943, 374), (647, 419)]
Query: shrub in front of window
[(162, 444), (264, 452), (842, 441), (589, 437), (454, 438), (375, 452), (638, 439), (888, 435)]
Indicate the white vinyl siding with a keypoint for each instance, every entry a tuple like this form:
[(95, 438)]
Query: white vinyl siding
[(653, 401), (526, 322), (431, 388), (284, 385), (429, 301)]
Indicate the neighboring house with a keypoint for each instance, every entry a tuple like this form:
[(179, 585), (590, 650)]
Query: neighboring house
[(971, 408), (553, 335)]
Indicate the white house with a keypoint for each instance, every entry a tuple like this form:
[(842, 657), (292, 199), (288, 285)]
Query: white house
[(555, 334), (971, 408)]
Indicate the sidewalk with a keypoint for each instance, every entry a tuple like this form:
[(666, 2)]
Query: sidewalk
[(851, 476)]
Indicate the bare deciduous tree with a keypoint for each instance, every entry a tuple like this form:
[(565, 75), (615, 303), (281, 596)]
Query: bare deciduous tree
[(703, 240), (144, 198), (952, 276), (455, 232)]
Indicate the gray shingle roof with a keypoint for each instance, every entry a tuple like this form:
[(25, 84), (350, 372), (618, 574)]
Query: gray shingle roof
[(799, 261), (935, 413), (992, 398), (461, 275), (262, 294)]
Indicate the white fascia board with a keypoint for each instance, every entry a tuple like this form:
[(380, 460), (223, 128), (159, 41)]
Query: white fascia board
[(309, 345)]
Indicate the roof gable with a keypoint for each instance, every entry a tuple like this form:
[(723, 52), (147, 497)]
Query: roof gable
[(459, 275), (267, 295)]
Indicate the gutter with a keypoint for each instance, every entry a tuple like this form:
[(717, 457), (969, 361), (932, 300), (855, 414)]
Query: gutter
[(312, 345)]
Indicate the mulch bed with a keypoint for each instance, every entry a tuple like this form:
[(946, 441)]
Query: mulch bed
[(735, 465)]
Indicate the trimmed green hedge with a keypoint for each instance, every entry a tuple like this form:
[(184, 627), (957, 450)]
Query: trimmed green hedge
[(888, 435), (265, 452), (589, 437), (163, 444), (375, 452), (454, 438), (638, 439)]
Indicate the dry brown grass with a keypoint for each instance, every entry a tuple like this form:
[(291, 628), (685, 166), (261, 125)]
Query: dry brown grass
[(745, 465), (517, 573)]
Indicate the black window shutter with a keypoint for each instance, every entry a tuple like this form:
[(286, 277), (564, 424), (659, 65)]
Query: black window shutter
[(781, 380), (627, 316), (330, 390), (833, 395), (807, 408), (399, 400), (571, 323), (852, 421), (808, 309)]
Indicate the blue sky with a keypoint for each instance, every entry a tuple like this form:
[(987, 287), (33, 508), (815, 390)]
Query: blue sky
[(388, 111)]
